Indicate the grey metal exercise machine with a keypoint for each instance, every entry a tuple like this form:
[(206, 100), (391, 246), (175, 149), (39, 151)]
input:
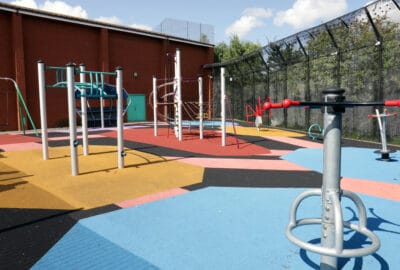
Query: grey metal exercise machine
[(381, 117), (331, 221)]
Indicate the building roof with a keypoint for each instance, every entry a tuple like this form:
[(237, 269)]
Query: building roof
[(95, 23)]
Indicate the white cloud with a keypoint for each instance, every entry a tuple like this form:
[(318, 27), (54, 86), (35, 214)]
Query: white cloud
[(251, 18), (64, 8), (141, 26), (305, 13), (258, 12), (112, 19), (25, 3), (54, 6), (76, 11), (243, 26), (116, 20)]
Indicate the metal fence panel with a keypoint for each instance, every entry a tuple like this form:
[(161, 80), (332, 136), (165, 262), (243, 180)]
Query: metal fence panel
[(359, 52)]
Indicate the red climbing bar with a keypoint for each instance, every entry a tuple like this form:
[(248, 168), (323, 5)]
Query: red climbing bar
[(269, 105), (288, 103), (392, 103)]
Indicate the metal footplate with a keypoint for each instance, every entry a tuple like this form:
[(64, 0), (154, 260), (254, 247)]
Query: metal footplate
[(339, 224)]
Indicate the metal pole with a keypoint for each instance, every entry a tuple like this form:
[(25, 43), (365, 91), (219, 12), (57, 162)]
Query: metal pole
[(73, 142), (382, 127), (179, 92), (102, 106), (210, 94), (223, 113), (331, 176), (120, 123), (200, 80), (176, 130), (307, 94), (378, 85), (155, 105), (43, 113), (332, 218), (82, 79)]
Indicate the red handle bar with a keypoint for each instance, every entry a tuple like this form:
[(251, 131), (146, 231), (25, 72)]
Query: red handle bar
[(286, 103)]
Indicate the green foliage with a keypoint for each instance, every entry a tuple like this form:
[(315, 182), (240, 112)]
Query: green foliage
[(236, 48), (280, 56), (220, 50), (204, 38), (240, 75)]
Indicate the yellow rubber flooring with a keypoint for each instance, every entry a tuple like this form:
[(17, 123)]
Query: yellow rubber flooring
[(17, 192), (48, 184), (264, 131)]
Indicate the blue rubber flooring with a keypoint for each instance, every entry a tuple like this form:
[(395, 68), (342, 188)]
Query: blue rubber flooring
[(356, 163), (218, 228)]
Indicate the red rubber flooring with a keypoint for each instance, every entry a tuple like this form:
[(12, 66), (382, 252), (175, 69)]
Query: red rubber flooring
[(210, 145), (13, 139)]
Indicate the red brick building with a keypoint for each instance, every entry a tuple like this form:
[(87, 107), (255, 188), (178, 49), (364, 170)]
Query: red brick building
[(30, 35)]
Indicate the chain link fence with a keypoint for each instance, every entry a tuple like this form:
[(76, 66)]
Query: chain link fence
[(188, 30), (358, 52)]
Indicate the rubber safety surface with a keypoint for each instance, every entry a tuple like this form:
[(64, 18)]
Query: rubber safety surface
[(183, 205)]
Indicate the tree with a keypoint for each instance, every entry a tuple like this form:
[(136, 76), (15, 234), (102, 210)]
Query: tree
[(219, 51), (204, 38), (236, 48)]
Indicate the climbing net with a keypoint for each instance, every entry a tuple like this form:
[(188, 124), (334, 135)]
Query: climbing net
[(175, 109), (169, 95)]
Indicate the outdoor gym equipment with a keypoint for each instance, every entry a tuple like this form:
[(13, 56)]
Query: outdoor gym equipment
[(178, 104), (22, 104), (176, 82), (194, 109), (85, 90), (315, 132), (257, 112), (332, 223), (385, 153), (177, 95)]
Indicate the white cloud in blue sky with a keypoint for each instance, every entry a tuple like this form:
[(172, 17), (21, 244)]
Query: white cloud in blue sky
[(25, 3), (303, 13), (62, 7), (141, 26), (75, 11), (250, 19), (306, 13), (54, 6), (110, 19)]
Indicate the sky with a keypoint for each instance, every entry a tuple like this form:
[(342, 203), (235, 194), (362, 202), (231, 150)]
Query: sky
[(259, 21)]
